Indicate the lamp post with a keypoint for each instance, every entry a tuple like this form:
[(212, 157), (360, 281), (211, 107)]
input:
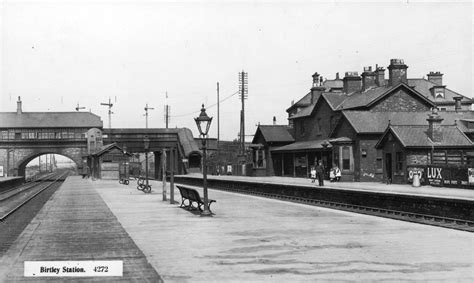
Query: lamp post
[(203, 123), (146, 145)]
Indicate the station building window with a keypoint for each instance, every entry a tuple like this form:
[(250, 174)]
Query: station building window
[(346, 158), (398, 161), (259, 158), (379, 161)]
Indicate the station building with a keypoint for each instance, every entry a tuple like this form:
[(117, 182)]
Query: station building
[(341, 121)]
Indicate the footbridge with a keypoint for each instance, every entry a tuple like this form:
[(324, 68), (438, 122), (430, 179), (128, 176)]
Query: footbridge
[(77, 135)]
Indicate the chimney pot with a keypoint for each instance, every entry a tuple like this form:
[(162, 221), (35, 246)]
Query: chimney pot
[(317, 88), (315, 79), (18, 106), (457, 103)]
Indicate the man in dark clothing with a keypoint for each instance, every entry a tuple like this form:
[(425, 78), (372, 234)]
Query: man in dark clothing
[(320, 173)]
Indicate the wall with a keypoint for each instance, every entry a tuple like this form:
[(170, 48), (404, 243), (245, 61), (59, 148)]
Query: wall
[(392, 146), (312, 131), (400, 101), (368, 169)]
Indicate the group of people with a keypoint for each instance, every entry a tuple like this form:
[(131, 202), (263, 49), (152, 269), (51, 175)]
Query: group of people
[(317, 172)]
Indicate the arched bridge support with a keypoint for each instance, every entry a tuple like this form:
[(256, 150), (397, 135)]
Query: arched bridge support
[(14, 159)]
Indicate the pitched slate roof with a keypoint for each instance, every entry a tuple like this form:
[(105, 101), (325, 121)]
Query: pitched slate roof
[(106, 148), (185, 136), (372, 95), (423, 86), (303, 146), (376, 122), (417, 136), (334, 99), (304, 112), (275, 133), (303, 102), (50, 120)]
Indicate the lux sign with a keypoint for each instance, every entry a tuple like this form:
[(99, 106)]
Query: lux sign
[(434, 173)]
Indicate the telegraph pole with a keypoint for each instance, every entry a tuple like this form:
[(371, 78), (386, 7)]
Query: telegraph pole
[(243, 88), (146, 113), (218, 131), (110, 112), (167, 111)]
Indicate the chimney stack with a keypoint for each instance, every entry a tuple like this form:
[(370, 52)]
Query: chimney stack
[(18, 106), (379, 75), (352, 82), (457, 103), (397, 72), (368, 78), (435, 132), (436, 78), (317, 88)]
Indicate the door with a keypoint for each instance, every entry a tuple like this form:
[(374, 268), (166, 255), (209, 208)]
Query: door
[(388, 166)]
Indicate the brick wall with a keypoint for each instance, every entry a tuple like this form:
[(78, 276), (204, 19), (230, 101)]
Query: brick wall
[(368, 167), (418, 158), (400, 101), (315, 130), (21, 156)]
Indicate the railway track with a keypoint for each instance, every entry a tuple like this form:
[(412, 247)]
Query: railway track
[(445, 222), (15, 198)]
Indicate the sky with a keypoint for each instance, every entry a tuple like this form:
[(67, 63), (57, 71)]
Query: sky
[(58, 54)]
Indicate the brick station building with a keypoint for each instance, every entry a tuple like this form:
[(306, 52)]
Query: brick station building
[(340, 121), (442, 155)]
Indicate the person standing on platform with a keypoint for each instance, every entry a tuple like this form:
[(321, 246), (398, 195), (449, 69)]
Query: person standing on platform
[(320, 173), (337, 173), (313, 174)]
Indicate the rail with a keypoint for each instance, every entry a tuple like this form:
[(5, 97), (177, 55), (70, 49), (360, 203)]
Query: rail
[(9, 204)]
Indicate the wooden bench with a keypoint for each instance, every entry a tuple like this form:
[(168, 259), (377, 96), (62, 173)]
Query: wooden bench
[(192, 196)]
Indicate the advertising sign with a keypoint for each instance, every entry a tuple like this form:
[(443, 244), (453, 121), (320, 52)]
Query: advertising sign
[(470, 173), (442, 175)]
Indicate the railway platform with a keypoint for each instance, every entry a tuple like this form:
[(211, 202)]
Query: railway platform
[(403, 189), (10, 182), (75, 225), (248, 239)]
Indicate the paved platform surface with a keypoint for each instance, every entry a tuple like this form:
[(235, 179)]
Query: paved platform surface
[(75, 224), (441, 192), (248, 239), (256, 239)]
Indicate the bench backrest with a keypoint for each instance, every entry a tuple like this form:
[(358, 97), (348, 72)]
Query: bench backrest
[(194, 195), (183, 191), (189, 193)]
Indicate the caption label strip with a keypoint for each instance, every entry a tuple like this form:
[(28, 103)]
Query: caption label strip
[(73, 268)]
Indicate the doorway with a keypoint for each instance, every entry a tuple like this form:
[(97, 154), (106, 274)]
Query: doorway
[(388, 167)]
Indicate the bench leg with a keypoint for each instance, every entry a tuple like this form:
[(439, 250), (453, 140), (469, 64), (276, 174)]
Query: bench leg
[(182, 202)]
